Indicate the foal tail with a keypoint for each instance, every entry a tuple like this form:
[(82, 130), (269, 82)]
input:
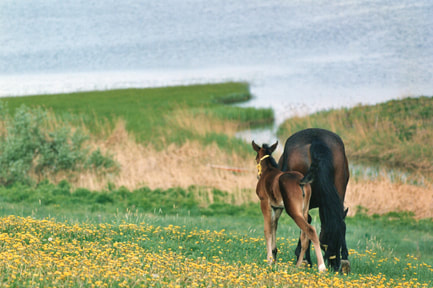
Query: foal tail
[(321, 177)]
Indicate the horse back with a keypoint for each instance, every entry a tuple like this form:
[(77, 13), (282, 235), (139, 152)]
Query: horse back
[(296, 155)]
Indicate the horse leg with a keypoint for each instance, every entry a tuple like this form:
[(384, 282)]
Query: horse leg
[(304, 241), (310, 232), (307, 252), (266, 211), (298, 248), (345, 263), (344, 252), (276, 213), (341, 180)]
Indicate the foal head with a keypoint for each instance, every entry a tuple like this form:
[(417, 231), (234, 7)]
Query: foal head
[(263, 153)]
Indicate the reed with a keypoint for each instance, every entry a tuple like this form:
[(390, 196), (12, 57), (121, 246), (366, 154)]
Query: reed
[(389, 197), (184, 165), (396, 133), (207, 168)]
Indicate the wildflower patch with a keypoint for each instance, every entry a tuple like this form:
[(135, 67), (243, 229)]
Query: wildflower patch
[(41, 253)]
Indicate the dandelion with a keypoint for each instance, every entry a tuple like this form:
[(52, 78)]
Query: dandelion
[(86, 255)]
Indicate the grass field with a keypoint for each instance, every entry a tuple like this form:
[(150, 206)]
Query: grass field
[(65, 237), (153, 250), (169, 218)]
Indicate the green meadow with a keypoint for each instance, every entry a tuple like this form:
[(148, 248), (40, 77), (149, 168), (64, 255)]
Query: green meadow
[(215, 247), (57, 234), (147, 112)]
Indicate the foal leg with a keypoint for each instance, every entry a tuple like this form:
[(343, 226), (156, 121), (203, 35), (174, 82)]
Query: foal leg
[(304, 242), (307, 253), (276, 213), (267, 217), (310, 232)]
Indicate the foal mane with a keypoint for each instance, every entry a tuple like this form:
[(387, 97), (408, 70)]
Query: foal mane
[(271, 158)]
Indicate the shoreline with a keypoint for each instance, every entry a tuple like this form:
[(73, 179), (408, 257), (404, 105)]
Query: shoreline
[(268, 88)]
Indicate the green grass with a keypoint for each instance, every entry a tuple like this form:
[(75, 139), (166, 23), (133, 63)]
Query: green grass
[(57, 199), (147, 112), (396, 133), (393, 248), (393, 233)]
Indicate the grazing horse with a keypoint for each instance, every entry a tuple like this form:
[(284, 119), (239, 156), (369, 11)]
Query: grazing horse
[(282, 190), (320, 155)]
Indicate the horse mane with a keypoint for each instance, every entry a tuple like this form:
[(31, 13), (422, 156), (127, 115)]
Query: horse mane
[(269, 152)]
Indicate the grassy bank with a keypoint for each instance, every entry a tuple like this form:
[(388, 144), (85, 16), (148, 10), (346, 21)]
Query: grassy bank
[(389, 151), (152, 115), (396, 133), (159, 137)]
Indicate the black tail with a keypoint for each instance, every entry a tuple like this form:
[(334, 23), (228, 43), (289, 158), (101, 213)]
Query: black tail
[(331, 210)]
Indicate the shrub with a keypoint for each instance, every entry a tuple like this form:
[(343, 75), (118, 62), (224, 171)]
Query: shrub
[(100, 162), (31, 144)]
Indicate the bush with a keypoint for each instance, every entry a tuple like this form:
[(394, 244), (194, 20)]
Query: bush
[(99, 162), (31, 144)]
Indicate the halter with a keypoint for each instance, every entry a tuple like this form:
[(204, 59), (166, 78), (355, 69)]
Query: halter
[(259, 165)]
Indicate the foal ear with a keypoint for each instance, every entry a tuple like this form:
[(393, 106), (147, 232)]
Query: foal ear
[(273, 147), (255, 146)]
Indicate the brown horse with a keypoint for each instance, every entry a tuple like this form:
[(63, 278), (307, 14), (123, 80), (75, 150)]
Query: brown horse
[(282, 190), (320, 155)]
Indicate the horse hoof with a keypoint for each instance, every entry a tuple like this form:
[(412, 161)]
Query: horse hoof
[(322, 268), (271, 261), (345, 266)]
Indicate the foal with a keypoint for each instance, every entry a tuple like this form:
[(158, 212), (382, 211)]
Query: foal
[(282, 190)]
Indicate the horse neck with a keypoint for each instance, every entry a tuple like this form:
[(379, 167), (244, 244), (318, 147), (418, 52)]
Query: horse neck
[(267, 164)]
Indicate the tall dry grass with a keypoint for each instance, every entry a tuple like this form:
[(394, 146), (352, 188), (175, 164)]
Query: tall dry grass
[(190, 164), (199, 123), (382, 196), (396, 133), (193, 164)]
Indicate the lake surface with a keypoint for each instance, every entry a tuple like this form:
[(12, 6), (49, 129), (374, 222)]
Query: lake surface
[(300, 56)]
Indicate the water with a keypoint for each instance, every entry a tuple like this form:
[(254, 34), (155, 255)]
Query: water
[(300, 56)]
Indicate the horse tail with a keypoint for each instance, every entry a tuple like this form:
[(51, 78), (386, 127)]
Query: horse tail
[(331, 210), (283, 165)]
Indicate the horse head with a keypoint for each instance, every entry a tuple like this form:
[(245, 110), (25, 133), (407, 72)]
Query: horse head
[(331, 242), (262, 153)]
